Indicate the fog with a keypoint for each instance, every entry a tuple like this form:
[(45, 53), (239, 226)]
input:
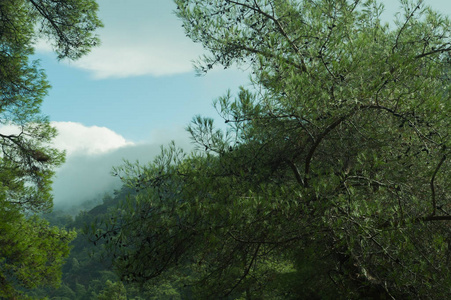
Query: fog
[(86, 174)]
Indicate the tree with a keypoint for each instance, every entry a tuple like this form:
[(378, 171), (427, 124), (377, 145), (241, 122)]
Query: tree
[(26, 155), (114, 291), (31, 252), (334, 170), (26, 159)]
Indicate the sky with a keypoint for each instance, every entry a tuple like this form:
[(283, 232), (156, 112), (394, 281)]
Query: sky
[(135, 92)]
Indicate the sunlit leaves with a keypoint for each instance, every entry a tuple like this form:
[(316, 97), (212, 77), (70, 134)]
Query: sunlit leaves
[(31, 252)]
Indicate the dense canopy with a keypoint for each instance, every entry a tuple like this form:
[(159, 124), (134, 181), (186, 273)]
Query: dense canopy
[(332, 178)]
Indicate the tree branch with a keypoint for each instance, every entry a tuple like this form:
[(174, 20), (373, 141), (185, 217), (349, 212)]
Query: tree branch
[(246, 272), (434, 202), (433, 52), (279, 25), (296, 172), (315, 145)]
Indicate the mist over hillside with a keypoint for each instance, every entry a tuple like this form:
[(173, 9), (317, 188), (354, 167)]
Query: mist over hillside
[(91, 154)]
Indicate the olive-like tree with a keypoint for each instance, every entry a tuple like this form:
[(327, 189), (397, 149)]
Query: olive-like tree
[(333, 177)]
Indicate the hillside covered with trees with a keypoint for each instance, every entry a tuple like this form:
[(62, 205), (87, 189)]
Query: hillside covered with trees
[(88, 273)]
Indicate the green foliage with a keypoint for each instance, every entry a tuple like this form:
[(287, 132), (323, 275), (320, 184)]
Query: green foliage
[(68, 25), (333, 176), (32, 252), (27, 160), (87, 270), (113, 291)]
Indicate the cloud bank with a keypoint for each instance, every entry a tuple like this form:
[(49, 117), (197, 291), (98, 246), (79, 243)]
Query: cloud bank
[(76, 138), (88, 177), (92, 152)]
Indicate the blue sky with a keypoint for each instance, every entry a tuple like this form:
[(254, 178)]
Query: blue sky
[(136, 91), (133, 106), (140, 80)]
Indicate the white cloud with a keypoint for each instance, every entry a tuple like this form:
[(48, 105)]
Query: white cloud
[(88, 177), (9, 129), (136, 60), (76, 138), (92, 151), (41, 45), (91, 154), (139, 38)]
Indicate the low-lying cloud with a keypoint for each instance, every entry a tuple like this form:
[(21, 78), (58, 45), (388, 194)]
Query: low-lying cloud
[(88, 177), (91, 154), (76, 138)]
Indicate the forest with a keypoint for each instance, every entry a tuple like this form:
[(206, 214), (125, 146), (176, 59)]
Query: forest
[(329, 178)]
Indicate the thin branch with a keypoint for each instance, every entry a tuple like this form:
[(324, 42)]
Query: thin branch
[(246, 272), (434, 202), (315, 145), (433, 52), (403, 27), (296, 172), (52, 22), (279, 25)]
